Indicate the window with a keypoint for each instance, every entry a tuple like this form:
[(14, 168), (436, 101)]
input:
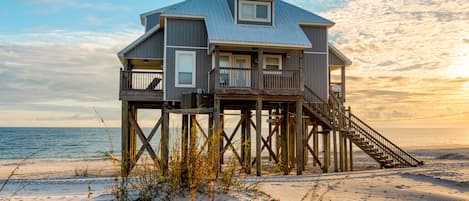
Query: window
[(273, 62), (185, 68), (255, 11)]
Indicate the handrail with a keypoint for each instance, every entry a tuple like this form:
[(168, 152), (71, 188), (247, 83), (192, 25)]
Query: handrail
[(363, 129), (397, 148)]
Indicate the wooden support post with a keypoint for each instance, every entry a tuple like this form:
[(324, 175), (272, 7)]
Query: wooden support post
[(315, 142), (334, 141), (299, 138), (165, 138), (345, 154), (291, 143), (210, 134), (305, 143), (269, 142), (125, 168), (218, 130), (284, 139), (248, 141), (277, 136), (222, 139), (133, 137), (258, 137), (341, 150), (243, 137), (351, 155), (327, 150), (185, 146)]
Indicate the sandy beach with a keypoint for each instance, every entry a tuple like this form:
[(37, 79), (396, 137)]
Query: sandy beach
[(445, 176)]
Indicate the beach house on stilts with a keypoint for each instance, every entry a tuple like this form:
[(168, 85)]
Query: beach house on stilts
[(267, 61)]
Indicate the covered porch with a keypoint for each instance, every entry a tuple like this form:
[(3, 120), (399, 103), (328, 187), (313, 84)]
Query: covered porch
[(256, 71)]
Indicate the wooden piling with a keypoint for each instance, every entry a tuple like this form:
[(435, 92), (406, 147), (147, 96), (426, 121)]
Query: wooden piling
[(299, 138), (334, 141), (327, 150), (258, 137), (164, 141), (125, 168), (248, 141), (284, 139)]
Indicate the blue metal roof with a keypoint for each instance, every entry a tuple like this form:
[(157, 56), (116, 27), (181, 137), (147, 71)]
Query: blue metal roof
[(221, 27)]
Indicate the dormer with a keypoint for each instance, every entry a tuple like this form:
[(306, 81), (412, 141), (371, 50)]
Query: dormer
[(257, 12)]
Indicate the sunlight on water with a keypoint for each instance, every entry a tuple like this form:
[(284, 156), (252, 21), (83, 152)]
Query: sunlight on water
[(427, 137)]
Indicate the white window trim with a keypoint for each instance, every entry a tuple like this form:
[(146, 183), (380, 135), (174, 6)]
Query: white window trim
[(194, 67), (255, 19), (273, 56), (229, 55)]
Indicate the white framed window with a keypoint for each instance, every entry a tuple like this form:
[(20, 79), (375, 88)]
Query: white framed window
[(273, 62), (185, 68), (255, 11)]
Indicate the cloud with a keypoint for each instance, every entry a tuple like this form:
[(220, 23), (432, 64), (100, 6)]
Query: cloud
[(55, 5), (403, 53), (48, 74)]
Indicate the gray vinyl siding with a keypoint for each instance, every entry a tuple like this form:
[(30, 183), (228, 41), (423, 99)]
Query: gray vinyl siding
[(316, 74), (152, 47), (183, 32), (152, 21), (188, 33), (203, 66), (335, 60), (318, 38), (291, 63), (231, 4)]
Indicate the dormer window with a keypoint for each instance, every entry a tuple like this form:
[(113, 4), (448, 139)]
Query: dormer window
[(257, 11)]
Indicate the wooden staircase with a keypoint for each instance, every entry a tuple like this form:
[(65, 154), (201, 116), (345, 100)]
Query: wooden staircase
[(332, 115)]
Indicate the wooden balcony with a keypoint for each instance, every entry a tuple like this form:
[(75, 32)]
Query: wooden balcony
[(141, 86), (250, 81)]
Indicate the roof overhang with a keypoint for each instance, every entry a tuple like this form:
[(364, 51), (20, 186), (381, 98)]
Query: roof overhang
[(316, 24), (258, 45), (339, 54), (142, 38)]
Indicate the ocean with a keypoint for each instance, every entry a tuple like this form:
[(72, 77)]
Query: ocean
[(17, 143)]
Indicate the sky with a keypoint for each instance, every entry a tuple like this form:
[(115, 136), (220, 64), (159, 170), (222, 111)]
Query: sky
[(410, 59)]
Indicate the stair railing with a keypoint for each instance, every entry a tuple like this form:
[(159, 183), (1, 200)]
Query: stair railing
[(385, 144), (406, 157), (314, 100)]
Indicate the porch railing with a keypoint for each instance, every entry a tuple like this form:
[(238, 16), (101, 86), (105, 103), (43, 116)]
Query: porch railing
[(141, 81), (281, 79), (245, 78)]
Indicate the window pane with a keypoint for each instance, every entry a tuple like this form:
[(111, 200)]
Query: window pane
[(247, 10), (224, 61), (185, 78), (272, 60), (261, 11), (185, 62), (272, 67)]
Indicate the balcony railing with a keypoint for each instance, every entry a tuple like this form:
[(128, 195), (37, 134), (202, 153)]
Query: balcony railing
[(281, 79), (141, 83), (247, 78)]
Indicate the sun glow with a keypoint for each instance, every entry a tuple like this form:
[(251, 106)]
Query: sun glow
[(460, 67)]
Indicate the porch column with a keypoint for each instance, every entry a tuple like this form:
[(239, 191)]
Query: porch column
[(217, 68), (260, 68), (342, 74), (301, 68)]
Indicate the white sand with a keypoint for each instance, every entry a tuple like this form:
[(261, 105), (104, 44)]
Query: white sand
[(445, 176)]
